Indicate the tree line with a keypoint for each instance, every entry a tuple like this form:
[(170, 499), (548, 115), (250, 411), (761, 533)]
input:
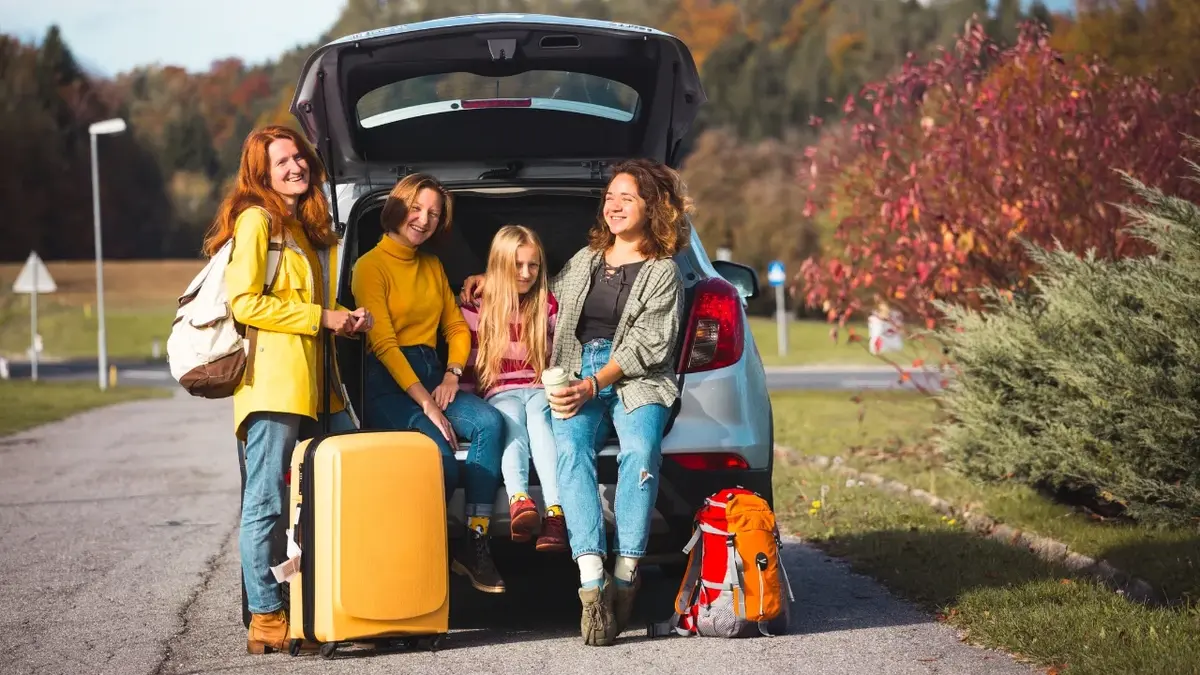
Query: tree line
[(770, 67)]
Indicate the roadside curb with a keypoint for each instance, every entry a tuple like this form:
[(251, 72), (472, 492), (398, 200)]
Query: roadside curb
[(1045, 548)]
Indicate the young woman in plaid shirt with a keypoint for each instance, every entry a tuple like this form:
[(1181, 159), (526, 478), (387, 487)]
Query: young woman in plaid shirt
[(620, 308)]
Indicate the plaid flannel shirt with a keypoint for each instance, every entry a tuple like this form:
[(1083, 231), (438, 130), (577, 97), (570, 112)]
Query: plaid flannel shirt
[(644, 343)]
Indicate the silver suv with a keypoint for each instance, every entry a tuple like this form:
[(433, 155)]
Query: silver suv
[(521, 116)]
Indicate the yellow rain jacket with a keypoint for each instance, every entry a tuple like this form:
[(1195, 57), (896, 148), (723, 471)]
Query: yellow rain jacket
[(287, 363)]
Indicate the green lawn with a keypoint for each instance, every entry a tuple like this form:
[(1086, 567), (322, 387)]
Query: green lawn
[(889, 442), (809, 343), (1003, 596), (25, 404), (70, 331)]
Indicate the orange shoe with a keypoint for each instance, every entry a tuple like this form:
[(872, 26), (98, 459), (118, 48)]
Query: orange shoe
[(267, 633), (523, 519)]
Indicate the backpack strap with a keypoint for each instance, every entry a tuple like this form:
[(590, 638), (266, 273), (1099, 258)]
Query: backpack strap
[(688, 587), (274, 253)]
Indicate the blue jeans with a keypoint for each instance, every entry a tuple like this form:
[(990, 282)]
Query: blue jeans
[(390, 407), (640, 435), (528, 432), (270, 439)]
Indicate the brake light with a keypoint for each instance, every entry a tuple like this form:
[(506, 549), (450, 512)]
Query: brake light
[(469, 104), (715, 334), (709, 461)]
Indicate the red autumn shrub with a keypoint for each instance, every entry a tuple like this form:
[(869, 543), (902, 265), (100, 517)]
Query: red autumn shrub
[(950, 163)]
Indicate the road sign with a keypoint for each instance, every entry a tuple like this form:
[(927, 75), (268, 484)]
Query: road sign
[(775, 274), (34, 277)]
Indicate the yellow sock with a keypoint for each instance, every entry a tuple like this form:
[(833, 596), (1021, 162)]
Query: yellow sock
[(519, 496), (479, 523), (552, 511)]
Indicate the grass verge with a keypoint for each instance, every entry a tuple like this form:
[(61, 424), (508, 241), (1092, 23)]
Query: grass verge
[(1002, 597), (889, 441), (139, 297), (809, 344), (25, 404), (70, 332)]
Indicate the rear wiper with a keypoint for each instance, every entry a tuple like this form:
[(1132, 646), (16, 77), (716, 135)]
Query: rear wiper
[(509, 171)]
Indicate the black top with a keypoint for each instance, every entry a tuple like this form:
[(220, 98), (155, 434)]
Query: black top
[(605, 301)]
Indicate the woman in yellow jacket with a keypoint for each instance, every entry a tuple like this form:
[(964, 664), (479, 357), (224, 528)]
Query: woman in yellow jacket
[(276, 192)]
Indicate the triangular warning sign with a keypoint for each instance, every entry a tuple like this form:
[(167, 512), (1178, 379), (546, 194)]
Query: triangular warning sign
[(34, 277)]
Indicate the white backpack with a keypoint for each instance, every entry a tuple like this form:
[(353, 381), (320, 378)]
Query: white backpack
[(209, 352)]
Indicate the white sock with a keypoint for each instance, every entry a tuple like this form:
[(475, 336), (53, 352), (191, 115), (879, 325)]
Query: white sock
[(591, 569), (625, 568)]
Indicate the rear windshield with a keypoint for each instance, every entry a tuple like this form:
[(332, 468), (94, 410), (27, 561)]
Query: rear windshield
[(557, 90)]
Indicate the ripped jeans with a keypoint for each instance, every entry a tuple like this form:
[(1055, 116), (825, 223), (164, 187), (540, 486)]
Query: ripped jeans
[(640, 435)]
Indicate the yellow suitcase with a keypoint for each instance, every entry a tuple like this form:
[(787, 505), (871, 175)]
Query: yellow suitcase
[(372, 536)]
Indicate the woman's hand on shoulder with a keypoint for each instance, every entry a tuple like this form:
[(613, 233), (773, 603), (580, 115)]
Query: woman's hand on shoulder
[(472, 290)]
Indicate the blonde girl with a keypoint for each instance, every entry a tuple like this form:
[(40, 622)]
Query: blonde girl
[(512, 332)]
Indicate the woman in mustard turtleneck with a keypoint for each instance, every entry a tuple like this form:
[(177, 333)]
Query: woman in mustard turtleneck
[(407, 387)]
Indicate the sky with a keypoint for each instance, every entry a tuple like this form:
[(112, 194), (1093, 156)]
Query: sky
[(113, 36)]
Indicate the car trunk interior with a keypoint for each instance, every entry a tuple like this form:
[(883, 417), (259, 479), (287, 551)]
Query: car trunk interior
[(560, 219)]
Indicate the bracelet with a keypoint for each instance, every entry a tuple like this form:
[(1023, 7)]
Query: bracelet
[(595, 385)]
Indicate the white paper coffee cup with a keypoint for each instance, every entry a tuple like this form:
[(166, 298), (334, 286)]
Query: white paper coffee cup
[(554, 379)]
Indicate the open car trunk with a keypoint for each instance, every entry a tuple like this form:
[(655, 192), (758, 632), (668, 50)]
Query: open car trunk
[(435, 93)]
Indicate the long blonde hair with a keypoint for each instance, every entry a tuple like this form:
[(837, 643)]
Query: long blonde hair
[(501, 302)]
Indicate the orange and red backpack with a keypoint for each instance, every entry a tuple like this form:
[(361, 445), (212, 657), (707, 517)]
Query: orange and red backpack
[(736, 584)]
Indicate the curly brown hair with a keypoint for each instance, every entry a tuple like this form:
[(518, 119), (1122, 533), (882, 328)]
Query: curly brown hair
[(667, 206)]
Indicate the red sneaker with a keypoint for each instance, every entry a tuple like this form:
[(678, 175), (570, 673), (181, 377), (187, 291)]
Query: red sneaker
[(523, 519), (554, 534)]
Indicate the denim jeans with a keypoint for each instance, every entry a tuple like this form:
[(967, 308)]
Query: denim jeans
[(390, 407), (640, 435), (527, 432), (270, 439)]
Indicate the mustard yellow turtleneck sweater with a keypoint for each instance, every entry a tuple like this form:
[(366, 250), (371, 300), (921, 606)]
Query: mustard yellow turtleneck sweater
[(408, 294)]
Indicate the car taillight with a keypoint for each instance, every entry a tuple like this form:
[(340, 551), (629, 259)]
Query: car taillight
[(715, 332), (469, 104), (709, 461)]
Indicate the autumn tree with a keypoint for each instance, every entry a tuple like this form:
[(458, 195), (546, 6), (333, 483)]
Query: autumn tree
[(953, 163), (749, 199), (1138, 38)]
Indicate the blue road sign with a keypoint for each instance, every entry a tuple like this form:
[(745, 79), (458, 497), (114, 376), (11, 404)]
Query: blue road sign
[(775, 273)]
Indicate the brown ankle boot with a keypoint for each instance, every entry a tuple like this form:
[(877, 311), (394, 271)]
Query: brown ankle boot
[(268, 633)]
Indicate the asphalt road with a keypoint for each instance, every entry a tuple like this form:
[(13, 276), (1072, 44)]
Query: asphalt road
[(118, 555), (778, 378)]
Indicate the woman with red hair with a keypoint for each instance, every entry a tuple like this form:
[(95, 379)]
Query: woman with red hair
[(276, 195)]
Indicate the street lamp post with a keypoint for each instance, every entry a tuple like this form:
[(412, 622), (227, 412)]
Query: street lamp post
[(110, 126)]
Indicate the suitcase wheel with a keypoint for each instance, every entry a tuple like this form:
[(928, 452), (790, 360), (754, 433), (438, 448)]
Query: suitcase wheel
[(434, 643), (294, 646), (328, 649)]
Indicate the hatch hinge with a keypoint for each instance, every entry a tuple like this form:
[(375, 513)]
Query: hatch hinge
[(596, 167), (402, 171), (502, 49)]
